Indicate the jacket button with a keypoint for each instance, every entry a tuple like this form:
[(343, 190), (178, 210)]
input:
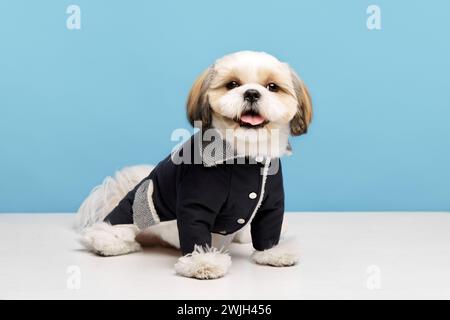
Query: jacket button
[(241, 221), (252, 195), (222, 232)]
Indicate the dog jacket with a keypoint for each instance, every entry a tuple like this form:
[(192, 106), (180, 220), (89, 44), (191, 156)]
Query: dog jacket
[(208, 189)]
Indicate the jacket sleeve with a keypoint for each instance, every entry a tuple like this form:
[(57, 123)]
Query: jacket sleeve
[(200, 195), (267, 223)]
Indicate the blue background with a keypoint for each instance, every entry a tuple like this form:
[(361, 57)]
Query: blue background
[(76, 105)]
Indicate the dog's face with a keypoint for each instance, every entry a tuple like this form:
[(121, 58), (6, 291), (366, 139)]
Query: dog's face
[(250, 92)]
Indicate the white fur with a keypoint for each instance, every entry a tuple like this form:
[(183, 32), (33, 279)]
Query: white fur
[(230, 105), (251, 63), (105, 197), (243, 235), (107, 240), (272, 143), (278, 256), (202, 263)]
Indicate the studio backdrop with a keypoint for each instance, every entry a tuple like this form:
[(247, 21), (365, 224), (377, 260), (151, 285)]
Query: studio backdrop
[(88, 87)]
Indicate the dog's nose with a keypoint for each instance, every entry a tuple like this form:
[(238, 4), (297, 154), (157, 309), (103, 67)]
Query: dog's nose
[(252, 95)]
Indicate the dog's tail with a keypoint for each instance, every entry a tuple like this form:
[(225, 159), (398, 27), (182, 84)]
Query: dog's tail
[(105, 197)]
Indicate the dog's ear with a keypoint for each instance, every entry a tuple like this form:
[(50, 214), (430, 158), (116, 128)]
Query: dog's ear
[(198, 108), (303, 117)]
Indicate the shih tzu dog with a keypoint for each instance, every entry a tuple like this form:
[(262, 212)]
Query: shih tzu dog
[(223, 184)]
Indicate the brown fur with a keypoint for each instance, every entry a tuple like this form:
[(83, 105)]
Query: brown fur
[(198, 108), (303, 117)]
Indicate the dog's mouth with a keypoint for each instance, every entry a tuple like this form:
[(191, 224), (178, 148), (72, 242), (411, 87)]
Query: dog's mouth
[(251, 119)]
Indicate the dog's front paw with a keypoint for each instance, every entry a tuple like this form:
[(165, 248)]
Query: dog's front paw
[(276, 257), (208, 263)]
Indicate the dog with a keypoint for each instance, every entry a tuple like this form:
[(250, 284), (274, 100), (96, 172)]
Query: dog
[(224, 184)]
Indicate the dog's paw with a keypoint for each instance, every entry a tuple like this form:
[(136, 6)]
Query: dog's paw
[(208, 263), (107, 240), (276, 257)]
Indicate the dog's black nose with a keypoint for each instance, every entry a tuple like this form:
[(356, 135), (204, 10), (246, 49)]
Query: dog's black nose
[(252, 95)]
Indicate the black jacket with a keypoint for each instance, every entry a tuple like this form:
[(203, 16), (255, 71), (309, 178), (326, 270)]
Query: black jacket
[(213, 191)]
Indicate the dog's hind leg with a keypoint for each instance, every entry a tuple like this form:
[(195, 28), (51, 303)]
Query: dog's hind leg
[(106, 240), (107, 229)]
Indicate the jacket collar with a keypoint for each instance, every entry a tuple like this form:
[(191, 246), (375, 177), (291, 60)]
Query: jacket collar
[(215, 150)]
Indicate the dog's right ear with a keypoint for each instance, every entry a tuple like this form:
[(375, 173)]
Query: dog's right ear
[(198, 108)]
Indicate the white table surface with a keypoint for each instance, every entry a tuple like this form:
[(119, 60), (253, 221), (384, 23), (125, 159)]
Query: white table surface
[(343, 256)]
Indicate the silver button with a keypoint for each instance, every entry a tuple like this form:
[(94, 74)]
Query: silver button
[(223, 232), (241, 221), (252, 195), (259, 159)]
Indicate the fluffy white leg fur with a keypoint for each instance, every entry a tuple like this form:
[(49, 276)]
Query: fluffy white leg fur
[(107, 240), (243, 236), (101, 237), (106, 196), (203, 263), (278, 256)]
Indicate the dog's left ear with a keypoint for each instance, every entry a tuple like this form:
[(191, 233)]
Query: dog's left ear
[(303, 117), (198, 108)]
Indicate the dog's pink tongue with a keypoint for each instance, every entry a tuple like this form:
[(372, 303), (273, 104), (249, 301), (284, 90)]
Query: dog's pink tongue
[(254, 120)]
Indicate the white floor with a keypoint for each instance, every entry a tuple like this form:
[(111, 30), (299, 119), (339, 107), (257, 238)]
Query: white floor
[(344, 256)]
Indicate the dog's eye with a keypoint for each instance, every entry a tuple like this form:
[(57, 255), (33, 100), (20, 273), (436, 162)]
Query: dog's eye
[(232, 85), (273, 87)]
